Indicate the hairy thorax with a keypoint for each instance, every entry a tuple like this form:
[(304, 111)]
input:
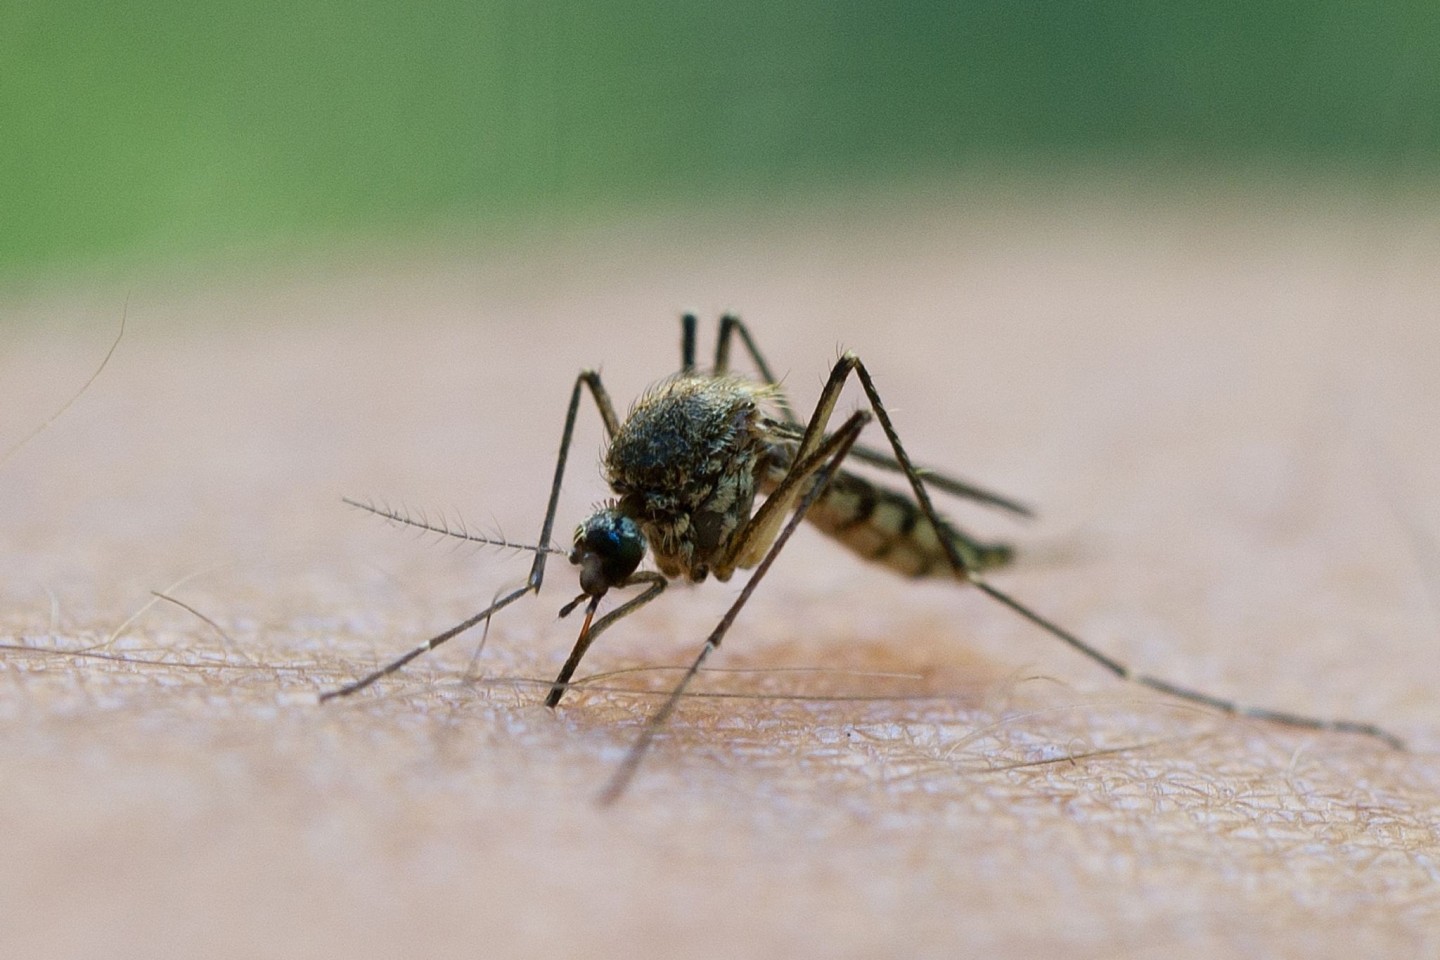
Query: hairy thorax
[(685, 465)]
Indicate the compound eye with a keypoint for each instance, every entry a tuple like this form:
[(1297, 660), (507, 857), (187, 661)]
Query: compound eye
[(608, 548)]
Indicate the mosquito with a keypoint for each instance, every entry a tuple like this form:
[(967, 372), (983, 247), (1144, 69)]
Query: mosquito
[(686, 466)]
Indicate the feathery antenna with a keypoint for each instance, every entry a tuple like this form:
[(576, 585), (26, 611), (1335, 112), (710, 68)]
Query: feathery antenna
[(443, 527)]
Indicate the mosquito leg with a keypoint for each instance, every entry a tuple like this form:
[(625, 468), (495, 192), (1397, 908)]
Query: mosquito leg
[(731, 326), (589, 633), (821, 467), (1120, 670), (948, 484), (589, 379), (754, 539), (850, 363), (934, 479), (425, 647), (687, 343)]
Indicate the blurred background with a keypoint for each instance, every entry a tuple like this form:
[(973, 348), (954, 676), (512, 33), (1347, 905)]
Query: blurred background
[(163, 132)]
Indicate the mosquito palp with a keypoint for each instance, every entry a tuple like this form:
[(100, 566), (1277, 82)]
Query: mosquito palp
[(686, 467)]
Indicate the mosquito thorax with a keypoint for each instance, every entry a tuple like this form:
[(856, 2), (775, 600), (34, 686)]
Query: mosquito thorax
[(686, 465), (608, 548)]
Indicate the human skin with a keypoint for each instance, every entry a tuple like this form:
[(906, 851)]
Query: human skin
[(1222, 411)]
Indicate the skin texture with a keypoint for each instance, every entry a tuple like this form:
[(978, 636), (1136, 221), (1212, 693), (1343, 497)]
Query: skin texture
[(1223, 411)]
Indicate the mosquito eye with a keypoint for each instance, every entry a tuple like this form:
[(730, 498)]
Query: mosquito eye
[(608, 548)]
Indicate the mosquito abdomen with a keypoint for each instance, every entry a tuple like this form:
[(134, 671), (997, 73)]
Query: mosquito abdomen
[(888, 527)]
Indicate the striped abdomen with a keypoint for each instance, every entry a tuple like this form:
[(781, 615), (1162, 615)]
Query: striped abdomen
[(888, 527)]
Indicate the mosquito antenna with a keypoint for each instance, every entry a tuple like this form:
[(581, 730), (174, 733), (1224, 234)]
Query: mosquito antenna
[(443, 527)]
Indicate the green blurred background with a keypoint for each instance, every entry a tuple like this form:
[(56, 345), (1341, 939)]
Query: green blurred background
[(163, 129)]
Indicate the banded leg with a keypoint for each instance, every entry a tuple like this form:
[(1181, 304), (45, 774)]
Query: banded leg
[(589, 379), (850, 363), (751, 542), (733, 326), (818, 469)]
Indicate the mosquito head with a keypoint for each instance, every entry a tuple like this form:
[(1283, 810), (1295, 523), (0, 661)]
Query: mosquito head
[(608, 548)]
